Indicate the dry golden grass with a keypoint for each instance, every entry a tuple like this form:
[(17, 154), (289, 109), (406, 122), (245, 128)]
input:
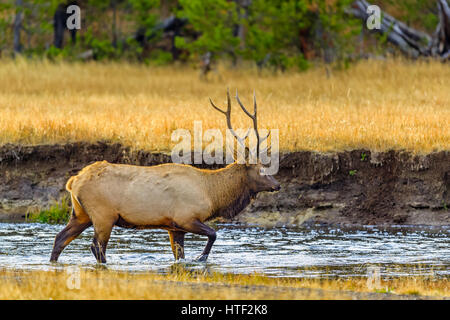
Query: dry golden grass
[(104, 284), (377, 105)]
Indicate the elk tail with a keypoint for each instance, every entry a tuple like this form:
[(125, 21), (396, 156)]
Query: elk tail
[(69, 184), (77, 207)]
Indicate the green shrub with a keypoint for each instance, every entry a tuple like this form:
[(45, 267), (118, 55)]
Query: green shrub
[(160, 58), (58, 213)]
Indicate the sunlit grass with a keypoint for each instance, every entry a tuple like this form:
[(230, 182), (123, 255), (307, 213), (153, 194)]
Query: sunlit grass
[(182, 284), (377, 105)]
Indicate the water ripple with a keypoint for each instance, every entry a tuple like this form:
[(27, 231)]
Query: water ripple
[(311, 251)]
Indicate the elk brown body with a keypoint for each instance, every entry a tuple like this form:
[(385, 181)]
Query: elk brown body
[(175, 197)]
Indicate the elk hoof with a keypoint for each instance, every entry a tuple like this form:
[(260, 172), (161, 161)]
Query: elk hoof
[(202, 258), (98, 253)]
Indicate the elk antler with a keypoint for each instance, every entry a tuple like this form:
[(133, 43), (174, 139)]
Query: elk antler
[(253, 116), (255, 121), (227, 114)]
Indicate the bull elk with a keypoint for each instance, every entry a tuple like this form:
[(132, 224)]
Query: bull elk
[(175, 197)]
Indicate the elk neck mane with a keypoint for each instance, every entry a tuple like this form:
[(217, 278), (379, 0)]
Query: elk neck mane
[(228, 190)]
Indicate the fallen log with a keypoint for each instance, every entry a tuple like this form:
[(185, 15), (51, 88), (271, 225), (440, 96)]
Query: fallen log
[(412, 42)]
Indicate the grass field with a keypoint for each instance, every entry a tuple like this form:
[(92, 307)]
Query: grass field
[(104, 284), (377, 105)]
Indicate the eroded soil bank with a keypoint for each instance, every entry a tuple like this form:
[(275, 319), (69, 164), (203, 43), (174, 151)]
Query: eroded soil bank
[(352, 187)]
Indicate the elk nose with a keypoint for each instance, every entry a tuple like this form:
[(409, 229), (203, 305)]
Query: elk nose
[(277, 188)]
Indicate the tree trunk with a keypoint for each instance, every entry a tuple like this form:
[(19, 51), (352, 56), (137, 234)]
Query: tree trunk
[(59, 25), (165, 6), (442, 33), (114, 23), (17, 46), (240, 30)]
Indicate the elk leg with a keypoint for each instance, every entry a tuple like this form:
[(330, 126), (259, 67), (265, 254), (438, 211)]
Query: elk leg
[(177, 243), (73, 229), (200, 228), (100, 241)]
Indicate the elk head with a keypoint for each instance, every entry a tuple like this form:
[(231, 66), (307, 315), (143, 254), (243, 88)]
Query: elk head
[(257, 178)]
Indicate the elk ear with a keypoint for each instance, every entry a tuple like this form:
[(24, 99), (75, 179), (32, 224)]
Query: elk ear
[(247, 156), (238, 155)]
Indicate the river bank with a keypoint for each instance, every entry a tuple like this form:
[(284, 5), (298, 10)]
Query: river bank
[(357, 187)]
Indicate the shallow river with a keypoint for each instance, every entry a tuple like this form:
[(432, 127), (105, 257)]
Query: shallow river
[(279, 252)]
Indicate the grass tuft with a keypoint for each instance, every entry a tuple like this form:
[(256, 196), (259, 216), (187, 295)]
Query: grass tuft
[(57, 213)]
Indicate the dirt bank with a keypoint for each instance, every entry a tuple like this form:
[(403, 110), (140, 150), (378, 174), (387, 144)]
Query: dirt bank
[(351, 187)]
